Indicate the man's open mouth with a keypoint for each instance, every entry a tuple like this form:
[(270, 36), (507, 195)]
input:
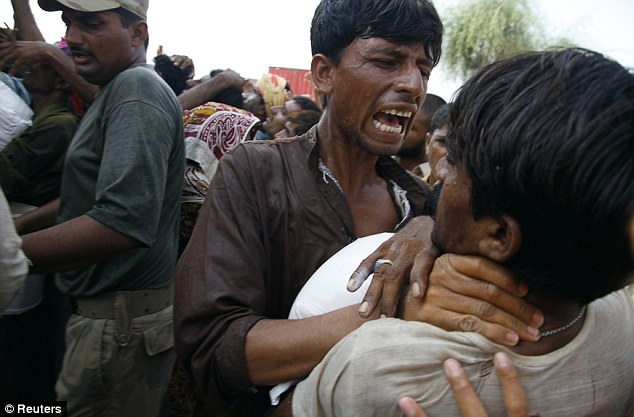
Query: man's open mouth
[(391, 121)]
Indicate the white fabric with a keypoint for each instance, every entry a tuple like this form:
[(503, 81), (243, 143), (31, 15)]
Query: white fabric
[(15, 115), (13, 263), (31, 292), (326, 290)]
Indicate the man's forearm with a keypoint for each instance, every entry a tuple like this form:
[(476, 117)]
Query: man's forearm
[(65, 68), (25, 21), (38, 219), (283, 350), (74, 244)]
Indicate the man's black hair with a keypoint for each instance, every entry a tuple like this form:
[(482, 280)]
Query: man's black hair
[(440, 118), (173, 75), (337, 23), (230, 96), (548, 138), (306, 103), (431, 103)]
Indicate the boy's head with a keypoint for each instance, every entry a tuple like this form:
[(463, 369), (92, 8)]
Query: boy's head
[(372, 60), (541, 176)]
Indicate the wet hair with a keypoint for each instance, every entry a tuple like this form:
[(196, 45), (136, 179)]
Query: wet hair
[(337, 23), (306, 103), (173, 75), (548, 138), (440, 118)]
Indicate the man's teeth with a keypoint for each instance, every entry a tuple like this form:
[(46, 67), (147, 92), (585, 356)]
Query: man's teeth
[(389, 129), (398, 113), (392, 129)]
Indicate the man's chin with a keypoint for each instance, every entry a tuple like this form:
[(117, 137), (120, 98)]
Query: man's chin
[(437, 243)]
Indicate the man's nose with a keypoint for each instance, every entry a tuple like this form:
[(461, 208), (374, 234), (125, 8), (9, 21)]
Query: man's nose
[(412, 82)]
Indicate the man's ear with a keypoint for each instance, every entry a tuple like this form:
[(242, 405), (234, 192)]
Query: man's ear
[(427, 142), (323, 70), (503, 238), (138, 33)]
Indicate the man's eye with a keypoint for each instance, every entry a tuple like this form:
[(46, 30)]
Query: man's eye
[(387, 63)]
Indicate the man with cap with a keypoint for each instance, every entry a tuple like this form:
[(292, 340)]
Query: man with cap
[(112, 235)]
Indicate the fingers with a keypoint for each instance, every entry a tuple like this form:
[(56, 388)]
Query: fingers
[(488, 271), (514, 396), (448, 319), (466, 398), (419, 276), (386, 273), (458, 285), (410, 408), (184, 63), (363, 271), (389, 281)]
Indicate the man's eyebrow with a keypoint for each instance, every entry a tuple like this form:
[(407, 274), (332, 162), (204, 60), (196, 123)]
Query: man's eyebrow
[(397, 53)]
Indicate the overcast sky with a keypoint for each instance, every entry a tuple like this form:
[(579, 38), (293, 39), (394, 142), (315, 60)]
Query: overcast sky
[(251, 35)]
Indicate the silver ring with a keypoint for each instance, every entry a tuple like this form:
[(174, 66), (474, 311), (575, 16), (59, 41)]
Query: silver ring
[(380, 262)]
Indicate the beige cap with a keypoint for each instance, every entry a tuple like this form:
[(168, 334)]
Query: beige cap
[(138, 7)]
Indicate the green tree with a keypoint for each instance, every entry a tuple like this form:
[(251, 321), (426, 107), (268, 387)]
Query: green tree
[(478, 32)]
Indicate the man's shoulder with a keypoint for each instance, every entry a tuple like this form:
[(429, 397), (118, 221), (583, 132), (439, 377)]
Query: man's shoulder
[(140, 80), (278, 148), (140, 72)]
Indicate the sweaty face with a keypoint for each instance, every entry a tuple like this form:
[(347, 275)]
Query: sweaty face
[(377, 88), (100, 45), (455, 229)]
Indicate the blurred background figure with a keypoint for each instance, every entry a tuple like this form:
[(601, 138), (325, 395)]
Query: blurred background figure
[(435, 145), (275, 91), (298, 123), (210, 131), (412, 155), (279, 114), (32, 329)]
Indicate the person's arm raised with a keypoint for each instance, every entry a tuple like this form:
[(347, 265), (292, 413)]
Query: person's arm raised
[(25, 53), (25, 21), (203, 92)]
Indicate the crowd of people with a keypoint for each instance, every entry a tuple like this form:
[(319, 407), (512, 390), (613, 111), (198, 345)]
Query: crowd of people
[(175, 245)]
